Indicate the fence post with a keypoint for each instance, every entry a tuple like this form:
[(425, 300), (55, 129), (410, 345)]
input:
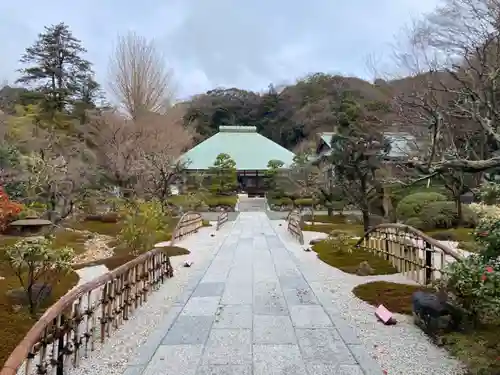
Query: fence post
[(428, 262)]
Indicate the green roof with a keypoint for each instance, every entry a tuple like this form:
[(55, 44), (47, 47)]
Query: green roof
[(249, 149)]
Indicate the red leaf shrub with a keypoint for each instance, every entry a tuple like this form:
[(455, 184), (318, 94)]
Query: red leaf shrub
[(8, 209)]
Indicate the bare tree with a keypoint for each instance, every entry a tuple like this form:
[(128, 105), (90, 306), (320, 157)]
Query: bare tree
[(139, 156), (139, 77), (163, 140), (115, 141), (457, 50)]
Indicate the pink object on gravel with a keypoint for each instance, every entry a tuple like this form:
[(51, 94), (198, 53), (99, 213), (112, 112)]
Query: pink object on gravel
[(384, 315)]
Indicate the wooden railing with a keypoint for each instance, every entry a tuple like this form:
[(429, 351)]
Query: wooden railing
[(221, 219), (87, 315), (294, 219), (189, 223), (411, 252)]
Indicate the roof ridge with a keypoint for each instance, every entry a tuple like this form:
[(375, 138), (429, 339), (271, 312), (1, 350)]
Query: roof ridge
[(237, 129)]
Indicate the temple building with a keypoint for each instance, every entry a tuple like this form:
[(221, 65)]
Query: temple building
[(250, 150)]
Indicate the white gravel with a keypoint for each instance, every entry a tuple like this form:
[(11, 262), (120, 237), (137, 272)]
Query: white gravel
[(87, 274), (113, 357), (402, 349)]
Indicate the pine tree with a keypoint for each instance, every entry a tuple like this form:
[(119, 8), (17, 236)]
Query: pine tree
[(56, 68)]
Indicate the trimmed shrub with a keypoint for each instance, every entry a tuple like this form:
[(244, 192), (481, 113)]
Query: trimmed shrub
[(444, 215), (306, 202), (412, 205), (399, 192), (221, 200), (415, 222), (283, 201)]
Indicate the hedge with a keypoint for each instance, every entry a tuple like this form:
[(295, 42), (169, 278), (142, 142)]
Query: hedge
[(444, 215), (412, 205)]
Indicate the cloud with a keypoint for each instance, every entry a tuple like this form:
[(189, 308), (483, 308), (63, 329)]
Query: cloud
[(221, 42)]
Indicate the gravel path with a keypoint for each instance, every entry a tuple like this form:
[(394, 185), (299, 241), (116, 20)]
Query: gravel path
[(120, 348), (402, 349)]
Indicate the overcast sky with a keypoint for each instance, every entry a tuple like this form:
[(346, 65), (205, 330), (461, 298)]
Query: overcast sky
[(212, 43)]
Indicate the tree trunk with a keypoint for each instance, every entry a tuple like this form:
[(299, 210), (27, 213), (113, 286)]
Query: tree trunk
[(366, 219), (365, 204), (386, 202), (31, 299), (460, 214), (330, 211)]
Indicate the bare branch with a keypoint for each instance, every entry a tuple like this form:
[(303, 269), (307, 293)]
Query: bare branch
[(139, 77)]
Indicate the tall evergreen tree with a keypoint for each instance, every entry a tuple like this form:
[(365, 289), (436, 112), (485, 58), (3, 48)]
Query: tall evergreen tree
[(56, 68)]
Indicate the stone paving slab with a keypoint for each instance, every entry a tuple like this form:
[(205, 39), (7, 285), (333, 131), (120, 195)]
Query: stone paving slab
[(234, 316), (209, 290), (300, 296), (278, 360), (175, 359), (225, 370), (252, 312), (273, 329), (201, 306), (189, 330), (228, 347)]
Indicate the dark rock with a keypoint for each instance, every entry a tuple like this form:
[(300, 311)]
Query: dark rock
[(433, 314), (467, 198), (314, 241), (40, 292)]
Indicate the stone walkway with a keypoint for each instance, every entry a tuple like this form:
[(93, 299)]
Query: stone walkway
[(253, 312)]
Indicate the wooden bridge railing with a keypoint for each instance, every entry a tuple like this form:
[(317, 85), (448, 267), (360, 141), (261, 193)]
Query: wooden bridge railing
[(189, 223), (294, 220), (295, 213), (410, 251), (87, 315), (221, 219)]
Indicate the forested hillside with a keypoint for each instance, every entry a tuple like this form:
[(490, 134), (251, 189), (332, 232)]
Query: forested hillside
[(288, 116)]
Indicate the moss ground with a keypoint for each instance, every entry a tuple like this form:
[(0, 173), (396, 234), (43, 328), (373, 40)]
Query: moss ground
[(461, 234), (108, 229), (465, 237), (15, 324), (330, 223), (396, 297), (349, 261)]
